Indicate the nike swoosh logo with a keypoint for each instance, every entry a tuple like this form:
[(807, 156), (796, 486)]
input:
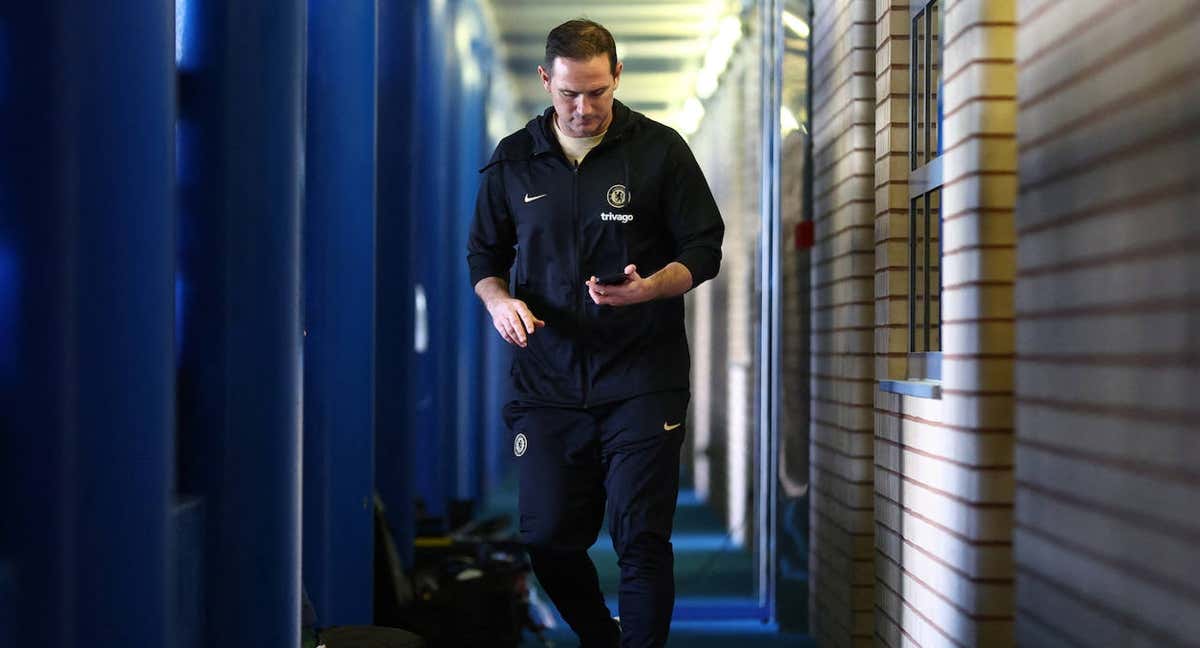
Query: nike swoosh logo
[(530, 199), (668, 428)]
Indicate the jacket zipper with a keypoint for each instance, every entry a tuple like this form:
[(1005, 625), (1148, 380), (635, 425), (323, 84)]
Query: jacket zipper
[(579, 306)]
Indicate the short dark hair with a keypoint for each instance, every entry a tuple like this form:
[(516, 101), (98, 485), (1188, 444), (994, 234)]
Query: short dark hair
[(580, 40)]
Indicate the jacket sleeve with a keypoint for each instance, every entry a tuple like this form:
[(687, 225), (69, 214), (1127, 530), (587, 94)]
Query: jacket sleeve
[(692, 214), (493, 234)]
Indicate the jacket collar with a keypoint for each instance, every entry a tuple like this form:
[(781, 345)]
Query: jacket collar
[(541, 128)]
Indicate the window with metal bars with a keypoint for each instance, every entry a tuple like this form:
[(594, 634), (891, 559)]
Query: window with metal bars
[(925, 192)]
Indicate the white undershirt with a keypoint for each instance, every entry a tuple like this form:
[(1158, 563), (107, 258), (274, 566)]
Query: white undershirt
[(576, 148)]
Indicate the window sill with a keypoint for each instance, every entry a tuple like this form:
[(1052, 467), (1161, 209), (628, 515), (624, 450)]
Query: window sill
[(915, 388)]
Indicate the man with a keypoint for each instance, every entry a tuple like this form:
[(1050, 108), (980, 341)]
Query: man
[(591, 190)]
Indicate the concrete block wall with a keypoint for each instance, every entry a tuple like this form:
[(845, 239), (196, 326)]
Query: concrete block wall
[(1107, 312)]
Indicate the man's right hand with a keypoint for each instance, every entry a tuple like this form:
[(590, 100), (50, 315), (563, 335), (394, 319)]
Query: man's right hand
[(510, 316), (513, 319)]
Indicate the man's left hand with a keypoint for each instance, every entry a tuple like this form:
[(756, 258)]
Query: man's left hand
[(634, 290)]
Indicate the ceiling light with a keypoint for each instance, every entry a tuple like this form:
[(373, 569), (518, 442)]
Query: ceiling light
[(687, 120), (464, 42), (787, 122), (716, 59), (706, 83), (794, 23)]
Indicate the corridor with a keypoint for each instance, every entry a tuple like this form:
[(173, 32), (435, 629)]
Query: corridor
[(941, 390)]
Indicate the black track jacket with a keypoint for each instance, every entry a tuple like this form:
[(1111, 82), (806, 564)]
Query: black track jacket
[(638, 197)]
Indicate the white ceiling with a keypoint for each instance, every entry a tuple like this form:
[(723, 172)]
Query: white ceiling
[(662, 44)]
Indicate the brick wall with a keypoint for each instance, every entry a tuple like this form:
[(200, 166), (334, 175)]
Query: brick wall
[(841, 512), (943, 467), (1108, 310), (1047, 498), (891, 188)]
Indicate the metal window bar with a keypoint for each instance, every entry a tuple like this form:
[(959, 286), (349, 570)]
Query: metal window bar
[(926, 270), (913, 74), (912, 275), (928, 61), (926, 22), (925, 180)]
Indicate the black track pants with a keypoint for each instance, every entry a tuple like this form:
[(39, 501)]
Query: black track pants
[(571, 460)]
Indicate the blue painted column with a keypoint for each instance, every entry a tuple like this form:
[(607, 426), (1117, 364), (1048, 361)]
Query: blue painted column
[(339, 308), (86, 293), (397, 165), (240, 378), (431, 226), (496, 384), (472, 59), (496, 392)]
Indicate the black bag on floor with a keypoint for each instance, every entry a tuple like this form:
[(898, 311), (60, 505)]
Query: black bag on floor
[(471, 590), (468, 588)]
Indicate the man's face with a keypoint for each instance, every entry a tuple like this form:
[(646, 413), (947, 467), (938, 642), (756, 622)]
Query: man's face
[(582, 92)]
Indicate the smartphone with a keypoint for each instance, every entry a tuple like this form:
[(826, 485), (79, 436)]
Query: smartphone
[(612, 279)]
